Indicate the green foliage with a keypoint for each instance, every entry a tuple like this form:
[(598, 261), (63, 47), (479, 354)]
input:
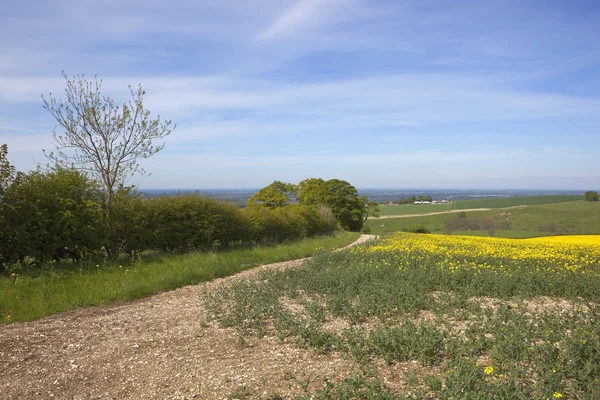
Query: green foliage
[(349, 209), (591, 196), (131, 226), (48, 216), (372, 208), (277, 194), (8, 173), (105, 140), (289, 222), (311, 191), (191, 221), (59, 214), (418, 229)]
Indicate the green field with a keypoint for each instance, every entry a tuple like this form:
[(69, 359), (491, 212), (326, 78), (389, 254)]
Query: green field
[(513, 201), (571, 217), (405, 209)]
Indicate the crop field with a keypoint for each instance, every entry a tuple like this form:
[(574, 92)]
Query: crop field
[(435, 316), (498, 202), (501, 202), (573, 217)]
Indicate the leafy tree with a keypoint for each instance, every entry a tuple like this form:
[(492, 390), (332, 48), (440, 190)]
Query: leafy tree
[(311, 191), (591, 196), (277, 194), (349, 209), (102, 137)]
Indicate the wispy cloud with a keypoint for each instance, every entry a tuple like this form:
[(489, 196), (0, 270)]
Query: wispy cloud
[(301, 16), (322, 87)]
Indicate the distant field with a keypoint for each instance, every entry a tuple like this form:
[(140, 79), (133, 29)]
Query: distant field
[(571, 217), (501, 202), (406, 209)]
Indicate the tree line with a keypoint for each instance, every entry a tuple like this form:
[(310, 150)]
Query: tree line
[(49, 216)]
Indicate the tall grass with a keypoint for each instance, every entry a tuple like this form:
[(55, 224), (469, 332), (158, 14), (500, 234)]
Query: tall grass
[(24, 298)]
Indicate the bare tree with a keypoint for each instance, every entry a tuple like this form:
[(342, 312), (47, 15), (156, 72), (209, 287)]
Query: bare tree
[(102, 137)]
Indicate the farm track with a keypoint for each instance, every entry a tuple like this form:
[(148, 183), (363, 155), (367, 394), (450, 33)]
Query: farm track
[(160, 347), (442, 212)]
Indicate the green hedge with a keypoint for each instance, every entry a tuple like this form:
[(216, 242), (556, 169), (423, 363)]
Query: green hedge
[(50, 216)]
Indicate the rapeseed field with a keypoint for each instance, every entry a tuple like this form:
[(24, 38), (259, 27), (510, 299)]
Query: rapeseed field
[(436, 316), (556, 255)]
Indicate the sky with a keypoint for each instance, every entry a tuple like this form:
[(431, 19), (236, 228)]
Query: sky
[(382, 94)]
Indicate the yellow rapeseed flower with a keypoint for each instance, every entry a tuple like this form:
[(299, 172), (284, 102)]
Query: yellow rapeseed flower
[(489, 369), (453, 254), (557, 395)]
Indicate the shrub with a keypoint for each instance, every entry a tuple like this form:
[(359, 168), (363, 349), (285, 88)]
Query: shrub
[(191, 221), (131, 224), (418, 229), (49, 216), (591, 196)]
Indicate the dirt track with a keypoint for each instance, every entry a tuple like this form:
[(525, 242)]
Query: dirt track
[(431, 213), (445, 212), (161, 347)]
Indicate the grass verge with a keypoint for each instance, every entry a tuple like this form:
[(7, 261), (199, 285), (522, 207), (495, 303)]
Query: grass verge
[(25, 298)]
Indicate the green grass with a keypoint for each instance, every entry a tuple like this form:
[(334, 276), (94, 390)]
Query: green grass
[(500, 202), (474, 334), (31, 297), (572, 217), (407, 209)]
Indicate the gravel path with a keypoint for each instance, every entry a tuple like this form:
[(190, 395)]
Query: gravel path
[(160, 347)]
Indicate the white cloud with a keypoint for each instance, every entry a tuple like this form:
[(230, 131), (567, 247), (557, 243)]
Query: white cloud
[(303, 15)]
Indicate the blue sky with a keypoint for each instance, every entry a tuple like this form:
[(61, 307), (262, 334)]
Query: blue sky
[(419, 94)]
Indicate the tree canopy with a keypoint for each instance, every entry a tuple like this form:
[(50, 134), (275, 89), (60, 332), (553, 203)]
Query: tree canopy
[(277, 194), (591, 196), (349, 209)]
